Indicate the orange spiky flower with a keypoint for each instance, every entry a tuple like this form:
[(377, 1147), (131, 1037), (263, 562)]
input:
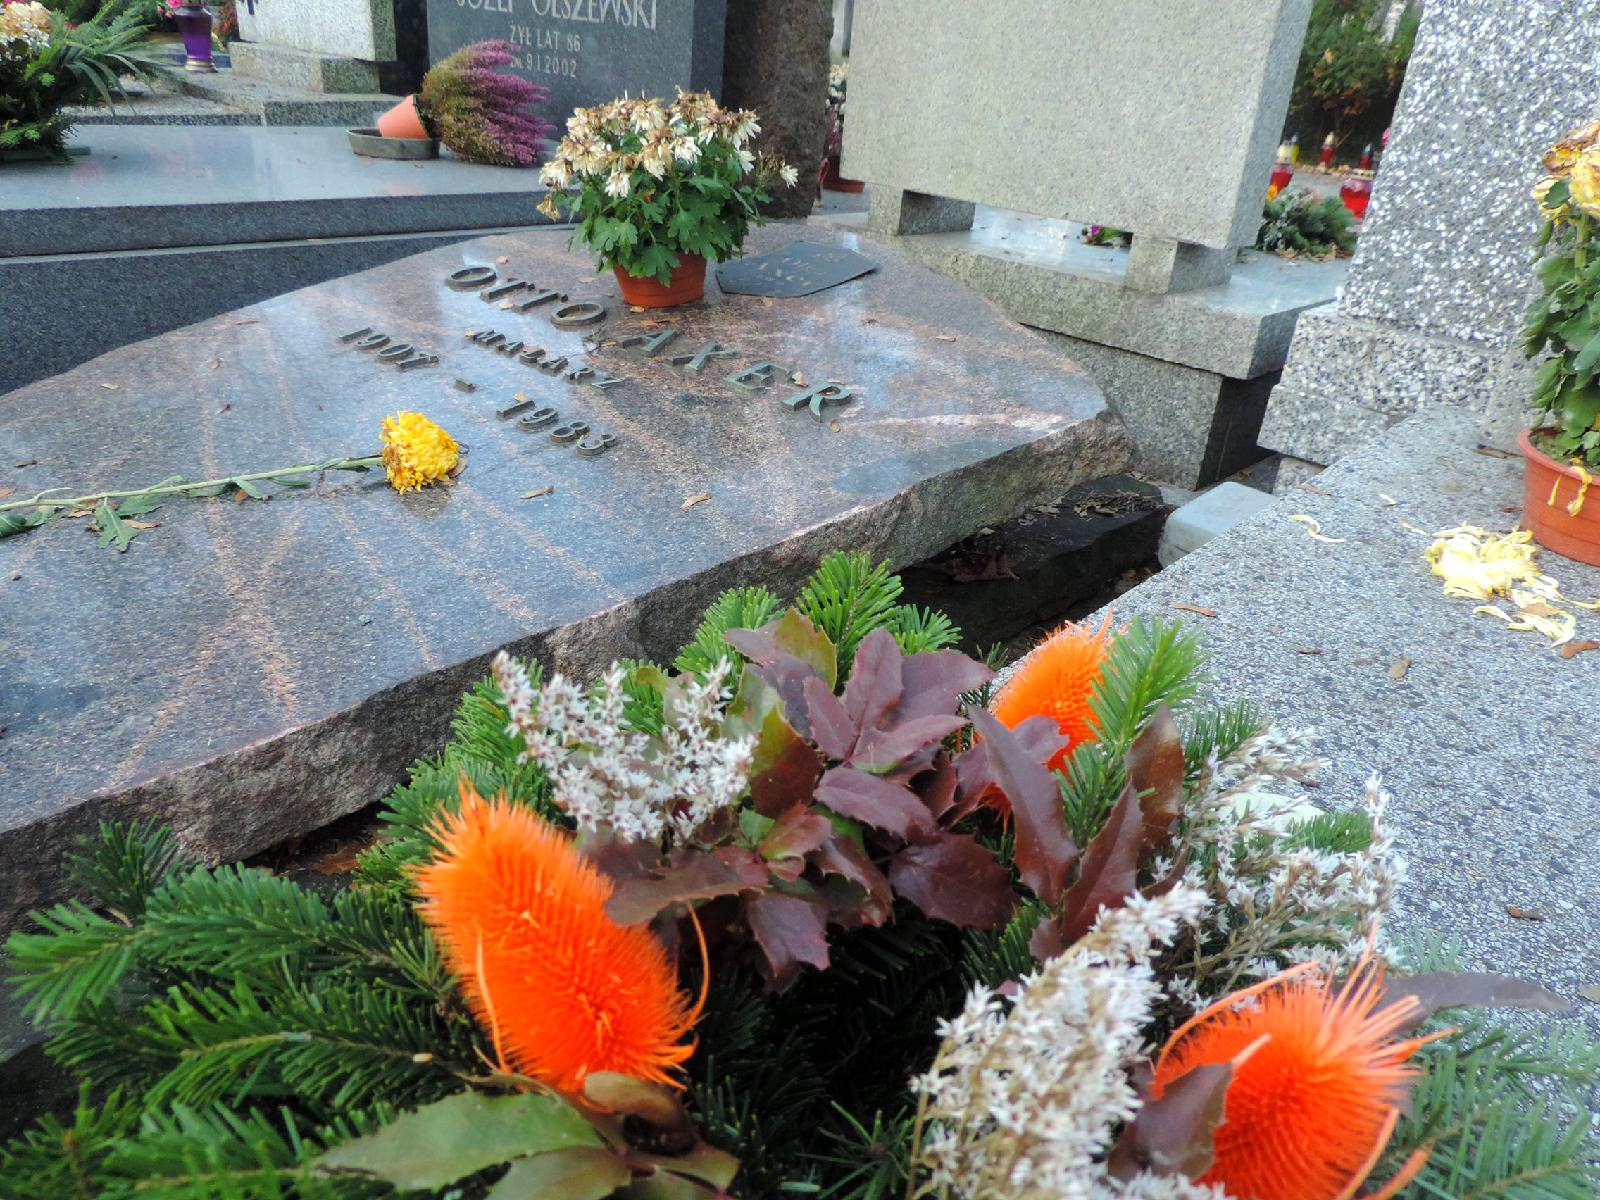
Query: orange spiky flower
[(1319, 1078), (1056, 681), (562, 989)]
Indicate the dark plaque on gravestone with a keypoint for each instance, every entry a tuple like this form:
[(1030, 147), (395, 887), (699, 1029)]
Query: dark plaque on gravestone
[(590, 51), (798, 269)]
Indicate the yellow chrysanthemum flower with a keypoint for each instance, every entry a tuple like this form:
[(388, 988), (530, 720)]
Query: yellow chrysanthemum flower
[(1584, 182), (416, 452)]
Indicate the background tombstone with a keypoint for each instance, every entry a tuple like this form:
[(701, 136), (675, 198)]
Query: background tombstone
[(338, 46), (775, 61), (590, 51), (1443, 270), (1141, 115)]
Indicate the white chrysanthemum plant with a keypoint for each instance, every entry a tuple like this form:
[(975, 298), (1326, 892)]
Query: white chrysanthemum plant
[(655, 187)]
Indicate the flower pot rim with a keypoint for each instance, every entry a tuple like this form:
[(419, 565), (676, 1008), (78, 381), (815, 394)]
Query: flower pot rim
[(1570, 470)]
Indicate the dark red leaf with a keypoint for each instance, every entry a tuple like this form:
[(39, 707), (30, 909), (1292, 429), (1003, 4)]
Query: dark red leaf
[(1172, 1135), (798, 832), (842, 857), (874, 686), (690, 874), (1155, 767), (937, 785), (1040, 738), (785, 767), (933, 684), (883, 750), (1439, 990), (787, 676), (954, 878), (872, 800), (1108, 876), (831, 726), (620, 858), (1045, 850), (792, 635), (790, 930)]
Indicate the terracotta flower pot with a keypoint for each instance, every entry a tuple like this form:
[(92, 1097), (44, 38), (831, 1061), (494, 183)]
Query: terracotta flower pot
[(687, 285), (1548, 488), (403, 121)]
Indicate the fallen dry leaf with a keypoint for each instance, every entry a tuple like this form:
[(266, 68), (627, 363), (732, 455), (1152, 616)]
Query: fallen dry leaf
[(1405, 524), (249, 321), (503, 259), (4, 492), (110, 387), (1492, 452), (944, 337), (1314, 527), (519, 397), (766, 301), (546, 490), (1524, 914), (798, 378), (1388, 501), (1590, 991), (1196, 609), (1307, 650), (140, 523), (1538, 609), (72, 514), (1400, 666), (505, 304), (1569, 649), (1311, 487), (636, 308), (588, 279), (27, 462), (834, 426), (215, 363), (701, 498), (464, 386)]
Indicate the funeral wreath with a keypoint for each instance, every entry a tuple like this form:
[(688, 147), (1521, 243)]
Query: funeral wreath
[(823, 908)]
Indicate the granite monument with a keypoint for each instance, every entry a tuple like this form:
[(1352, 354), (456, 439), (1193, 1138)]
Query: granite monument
[(247, 672), (1443, 270), (590, 51)]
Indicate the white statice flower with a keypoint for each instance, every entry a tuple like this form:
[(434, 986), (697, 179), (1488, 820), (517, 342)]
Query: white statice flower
[(619, 184), (1023, 1104), (607, 775), (1277, 900)]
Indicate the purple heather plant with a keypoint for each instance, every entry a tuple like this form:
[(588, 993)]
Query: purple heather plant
[(480, 114)]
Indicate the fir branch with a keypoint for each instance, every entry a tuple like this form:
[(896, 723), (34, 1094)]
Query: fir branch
[(75, 963), (921, 630), (847, 598), (737, 608), (122, 865)]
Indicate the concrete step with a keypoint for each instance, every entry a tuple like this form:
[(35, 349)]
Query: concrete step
[(284, 66), (285, 104)]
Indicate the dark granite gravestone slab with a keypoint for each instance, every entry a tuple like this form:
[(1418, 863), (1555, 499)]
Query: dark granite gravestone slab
[(250, 671), (590, 51)]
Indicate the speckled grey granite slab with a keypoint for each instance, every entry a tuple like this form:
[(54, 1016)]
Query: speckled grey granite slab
[(1490, 743), (1443, 269), (249, 672), (159, 186)]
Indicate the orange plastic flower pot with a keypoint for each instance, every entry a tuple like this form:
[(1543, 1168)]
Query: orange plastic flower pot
[(688, 284), (1550, 490), (403, 121)]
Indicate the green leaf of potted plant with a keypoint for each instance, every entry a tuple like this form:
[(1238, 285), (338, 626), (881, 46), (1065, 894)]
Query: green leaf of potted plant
[(1563, 449), (657, 189)]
